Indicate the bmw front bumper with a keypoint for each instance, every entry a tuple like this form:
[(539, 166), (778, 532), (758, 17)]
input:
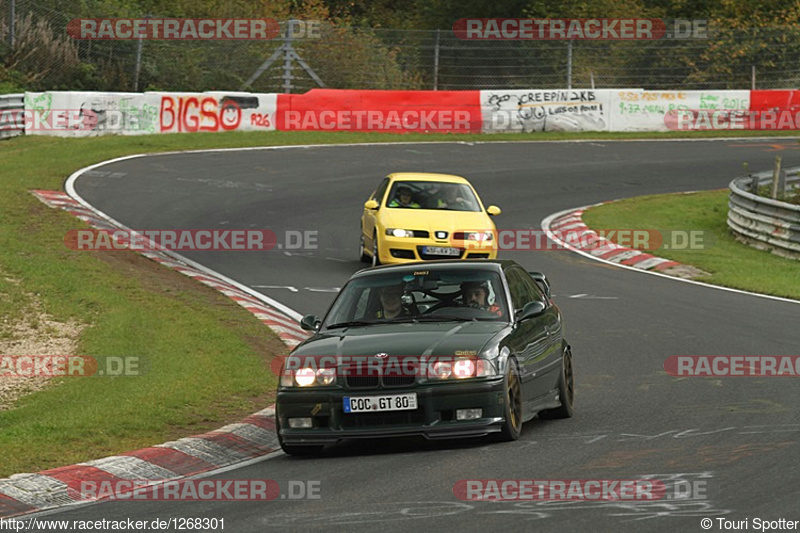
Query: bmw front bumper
[(434, 418)]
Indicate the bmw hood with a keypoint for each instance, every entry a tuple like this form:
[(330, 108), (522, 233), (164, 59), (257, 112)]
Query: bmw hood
[(405, 339)]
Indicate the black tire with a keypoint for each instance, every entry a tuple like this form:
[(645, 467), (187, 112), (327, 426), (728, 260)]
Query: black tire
[(363, 251), (566, 390), (512, 425), (295, 450), (375, 254)]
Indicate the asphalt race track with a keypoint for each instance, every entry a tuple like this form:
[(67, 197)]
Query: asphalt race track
[(735, 438)]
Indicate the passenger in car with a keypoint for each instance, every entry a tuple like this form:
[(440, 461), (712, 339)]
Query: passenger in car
[(391, 298)]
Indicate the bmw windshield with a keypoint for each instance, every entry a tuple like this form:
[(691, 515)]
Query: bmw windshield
[(426, 295)]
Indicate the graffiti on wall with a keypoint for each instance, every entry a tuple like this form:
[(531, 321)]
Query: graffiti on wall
[(109, 114), (544, 110), (639, 110), (209, 113)]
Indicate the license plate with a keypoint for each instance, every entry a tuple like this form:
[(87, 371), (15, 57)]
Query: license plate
[(439, 250), (372, 404)]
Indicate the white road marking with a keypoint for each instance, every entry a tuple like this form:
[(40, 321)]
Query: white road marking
[(292, 289), (592, 297)]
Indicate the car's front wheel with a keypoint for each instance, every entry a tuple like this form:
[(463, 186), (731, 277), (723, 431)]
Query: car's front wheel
[(566, 390), (362, 249), (512, 425), (375, 252)]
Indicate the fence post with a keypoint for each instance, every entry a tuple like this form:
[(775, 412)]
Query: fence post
[(436, 62), (138, 67), (752, 77), (287, 57), (569, 64)]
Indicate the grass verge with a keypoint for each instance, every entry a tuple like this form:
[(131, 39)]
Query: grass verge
[(730, 263), (208, 358)]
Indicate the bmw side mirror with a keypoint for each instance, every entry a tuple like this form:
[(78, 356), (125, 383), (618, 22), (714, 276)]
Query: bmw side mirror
[(371, 204), (310, 323), (531, 310), (493, 210), (541, 281)]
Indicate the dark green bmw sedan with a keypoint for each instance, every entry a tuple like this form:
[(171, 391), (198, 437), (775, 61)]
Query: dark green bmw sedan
[(442, 349)]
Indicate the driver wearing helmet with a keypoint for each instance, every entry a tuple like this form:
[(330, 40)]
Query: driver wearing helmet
[(476, 295)]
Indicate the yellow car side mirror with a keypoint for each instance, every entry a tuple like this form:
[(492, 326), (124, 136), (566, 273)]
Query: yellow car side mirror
[(371, 204), (493, 210)]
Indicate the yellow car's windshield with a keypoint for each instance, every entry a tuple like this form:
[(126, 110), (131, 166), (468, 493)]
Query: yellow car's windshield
[(432, 195)]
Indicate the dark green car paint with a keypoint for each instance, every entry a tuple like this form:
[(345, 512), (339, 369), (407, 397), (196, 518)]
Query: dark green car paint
[(537, 345)]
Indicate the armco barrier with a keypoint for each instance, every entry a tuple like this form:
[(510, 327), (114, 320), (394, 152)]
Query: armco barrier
[(765, 223), (12, 107), (71, 114)]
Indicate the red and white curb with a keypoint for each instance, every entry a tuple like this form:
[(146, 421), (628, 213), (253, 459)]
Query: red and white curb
[(251, 438), (600, 248)]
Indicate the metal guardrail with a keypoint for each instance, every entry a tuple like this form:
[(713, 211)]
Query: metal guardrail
[(765, 223), (12, 121)]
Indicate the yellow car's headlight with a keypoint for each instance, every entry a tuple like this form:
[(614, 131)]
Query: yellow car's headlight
[(398, 232), (479, 236)]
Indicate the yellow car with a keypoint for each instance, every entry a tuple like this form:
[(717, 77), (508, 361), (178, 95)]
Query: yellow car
[(415, 216)]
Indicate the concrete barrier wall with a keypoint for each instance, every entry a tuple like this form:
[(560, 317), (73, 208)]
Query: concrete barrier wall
[(523, 111)]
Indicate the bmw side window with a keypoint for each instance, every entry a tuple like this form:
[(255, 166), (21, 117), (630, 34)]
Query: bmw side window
[(519, 293), (535, 294), (380, 191)]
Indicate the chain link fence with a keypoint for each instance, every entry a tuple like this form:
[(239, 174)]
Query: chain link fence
[(40, 55)]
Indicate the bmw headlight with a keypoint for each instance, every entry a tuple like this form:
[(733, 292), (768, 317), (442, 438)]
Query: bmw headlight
[(459, 368), (308, 377)]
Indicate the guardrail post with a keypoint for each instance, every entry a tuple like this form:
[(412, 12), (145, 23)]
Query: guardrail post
[(775, 175), (782, 184), (753, 184)]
